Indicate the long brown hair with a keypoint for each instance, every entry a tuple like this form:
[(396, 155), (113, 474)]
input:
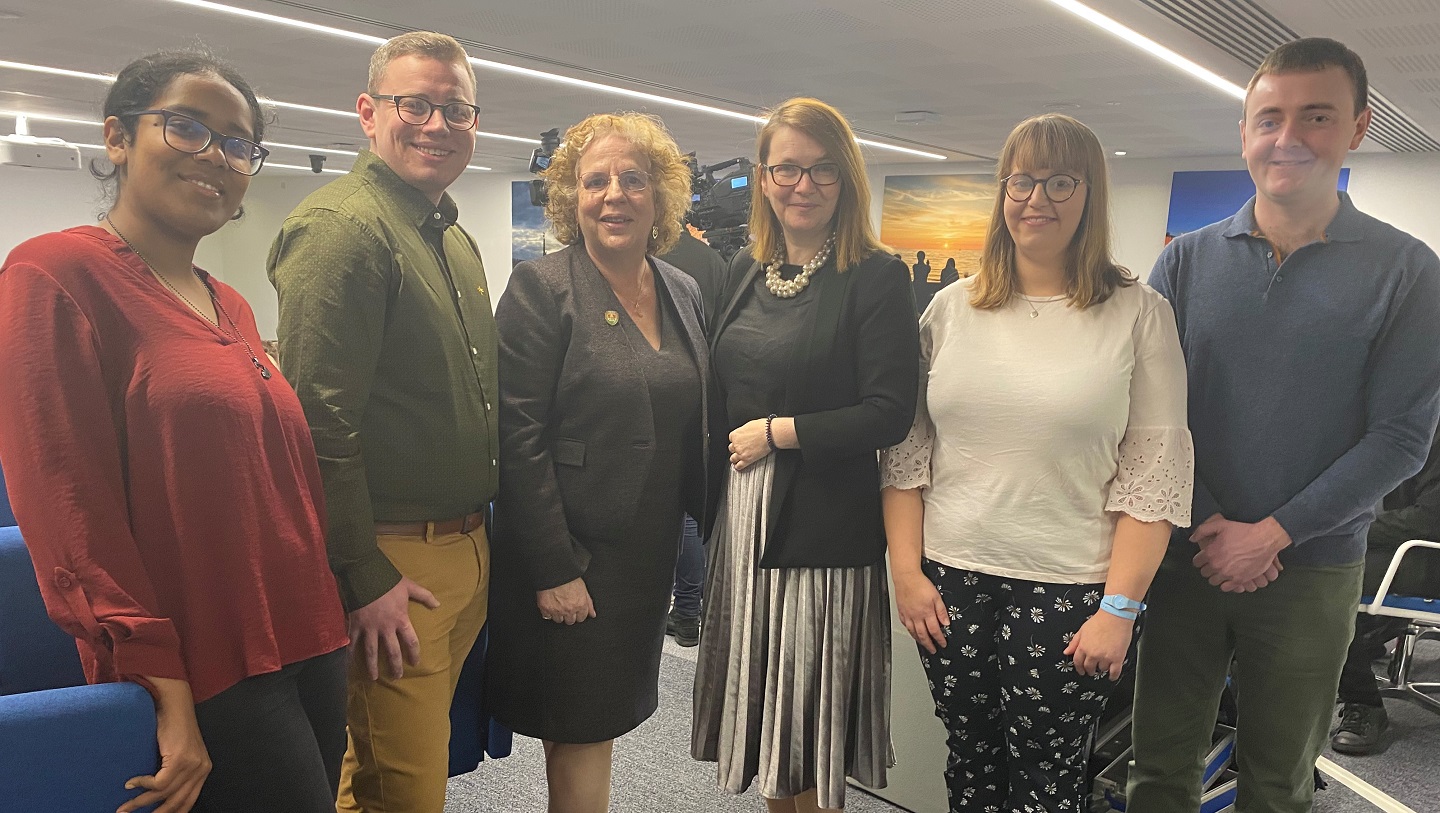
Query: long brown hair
[(1053, 141), (854, 239)]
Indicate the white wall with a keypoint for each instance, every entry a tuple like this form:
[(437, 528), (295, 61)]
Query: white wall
[(483, 198), (35, 201), (1394, 188)]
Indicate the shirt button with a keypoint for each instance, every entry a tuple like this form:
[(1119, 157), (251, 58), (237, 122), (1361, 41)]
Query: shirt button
[(487, 405), (458, 295), (63, 582), (1279, 278), (494, 462), (474, 352), (435, 215), (1270, 254)]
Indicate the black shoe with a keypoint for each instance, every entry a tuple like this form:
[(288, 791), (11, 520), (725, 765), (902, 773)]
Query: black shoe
[(685, 630), (1360, 729)]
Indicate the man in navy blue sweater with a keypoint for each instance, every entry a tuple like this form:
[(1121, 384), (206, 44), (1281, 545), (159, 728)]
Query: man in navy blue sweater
[(1312, 341)]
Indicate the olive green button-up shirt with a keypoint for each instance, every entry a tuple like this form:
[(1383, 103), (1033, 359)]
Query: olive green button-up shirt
[(387, 334)]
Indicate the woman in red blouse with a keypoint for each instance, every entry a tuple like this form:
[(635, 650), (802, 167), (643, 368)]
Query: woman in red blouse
[(161, 469)]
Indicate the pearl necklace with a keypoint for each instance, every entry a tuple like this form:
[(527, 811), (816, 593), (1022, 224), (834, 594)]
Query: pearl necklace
[(788, 288)]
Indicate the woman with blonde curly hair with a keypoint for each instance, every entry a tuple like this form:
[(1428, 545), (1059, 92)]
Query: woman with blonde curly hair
[(602, 367)]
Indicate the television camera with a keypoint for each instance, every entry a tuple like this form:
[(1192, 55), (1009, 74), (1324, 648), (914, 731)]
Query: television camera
[(720, 206)]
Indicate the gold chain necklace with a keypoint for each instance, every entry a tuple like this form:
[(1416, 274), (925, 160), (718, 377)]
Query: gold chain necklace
[(254, 359), (635, 307)]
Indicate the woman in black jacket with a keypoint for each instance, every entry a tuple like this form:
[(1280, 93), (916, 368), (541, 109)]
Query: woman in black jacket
[(814, 353), (602, 368)]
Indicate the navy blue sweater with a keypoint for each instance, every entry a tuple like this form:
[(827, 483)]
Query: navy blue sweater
[(1315, 383)]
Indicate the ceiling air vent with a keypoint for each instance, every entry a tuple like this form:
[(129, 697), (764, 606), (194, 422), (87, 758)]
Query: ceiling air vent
[(1244, 30)]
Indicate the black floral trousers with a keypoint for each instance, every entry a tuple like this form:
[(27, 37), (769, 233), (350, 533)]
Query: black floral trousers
[(1017, 713)]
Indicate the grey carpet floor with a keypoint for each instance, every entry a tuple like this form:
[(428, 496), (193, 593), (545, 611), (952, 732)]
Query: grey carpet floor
[(653, 771), (655, 774), (1408, 767)]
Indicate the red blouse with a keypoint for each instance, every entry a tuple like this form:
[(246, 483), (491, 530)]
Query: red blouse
[(169, 494)]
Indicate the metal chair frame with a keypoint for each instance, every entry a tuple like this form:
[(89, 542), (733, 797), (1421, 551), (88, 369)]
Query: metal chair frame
[(1423, 615)]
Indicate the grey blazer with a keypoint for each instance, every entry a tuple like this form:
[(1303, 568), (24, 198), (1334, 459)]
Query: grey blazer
[(573, 455)]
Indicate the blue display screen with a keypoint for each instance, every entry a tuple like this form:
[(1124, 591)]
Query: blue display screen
[(740, 182)]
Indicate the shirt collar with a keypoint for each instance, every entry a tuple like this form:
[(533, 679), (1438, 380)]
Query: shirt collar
[(411, 201), (1348, 225)]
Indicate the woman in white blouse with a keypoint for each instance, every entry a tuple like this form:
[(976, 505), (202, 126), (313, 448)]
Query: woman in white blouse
[(1032, 501)]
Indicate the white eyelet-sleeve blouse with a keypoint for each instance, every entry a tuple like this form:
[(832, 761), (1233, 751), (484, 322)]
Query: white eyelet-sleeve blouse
[(1038, 424)]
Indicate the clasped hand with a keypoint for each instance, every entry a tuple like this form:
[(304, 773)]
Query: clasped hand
[(749, 444), (1239, 557)]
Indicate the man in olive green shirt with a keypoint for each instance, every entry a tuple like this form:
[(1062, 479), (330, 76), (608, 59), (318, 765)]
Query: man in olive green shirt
[(387, 334)]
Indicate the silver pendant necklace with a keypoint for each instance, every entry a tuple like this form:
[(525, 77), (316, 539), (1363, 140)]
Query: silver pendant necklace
[(254, 359)]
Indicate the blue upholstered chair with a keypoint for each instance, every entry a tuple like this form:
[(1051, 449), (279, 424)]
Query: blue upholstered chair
[(65, 747), (34, 653)]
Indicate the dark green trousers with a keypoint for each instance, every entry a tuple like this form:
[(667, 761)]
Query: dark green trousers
[(1288, 641)]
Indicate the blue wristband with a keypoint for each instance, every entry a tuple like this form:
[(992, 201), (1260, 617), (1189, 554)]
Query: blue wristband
[(1119, 605)]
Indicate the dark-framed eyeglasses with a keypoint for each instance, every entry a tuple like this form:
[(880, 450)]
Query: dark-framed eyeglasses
[(184, 134), (417, 110), (632, 181), (1058, 188), (824, 173)]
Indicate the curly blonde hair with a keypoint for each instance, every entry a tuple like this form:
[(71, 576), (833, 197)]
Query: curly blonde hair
[(669, 175)]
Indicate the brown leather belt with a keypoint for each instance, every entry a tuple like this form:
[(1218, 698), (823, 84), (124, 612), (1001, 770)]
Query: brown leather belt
[(463, 525)]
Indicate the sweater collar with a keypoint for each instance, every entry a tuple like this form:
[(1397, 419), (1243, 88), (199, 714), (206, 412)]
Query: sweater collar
[(1346, 227), (411, 201)]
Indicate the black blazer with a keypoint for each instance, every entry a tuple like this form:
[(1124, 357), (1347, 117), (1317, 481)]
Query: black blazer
[(573, 456), (851, 388)]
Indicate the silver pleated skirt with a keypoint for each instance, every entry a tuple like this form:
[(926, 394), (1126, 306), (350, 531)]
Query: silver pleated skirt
[(792, 686)]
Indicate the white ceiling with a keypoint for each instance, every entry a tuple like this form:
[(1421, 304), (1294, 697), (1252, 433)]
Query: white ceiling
[(983, 65)]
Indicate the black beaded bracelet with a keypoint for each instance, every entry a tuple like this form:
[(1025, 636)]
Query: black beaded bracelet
[(770, 436)]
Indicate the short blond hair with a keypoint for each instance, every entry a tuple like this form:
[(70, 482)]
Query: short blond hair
[(854, 238), (441, 47), (669, 172), (1057, 142)]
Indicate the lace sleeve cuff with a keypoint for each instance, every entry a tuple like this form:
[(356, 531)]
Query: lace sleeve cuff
[(1156, 476), (907, 464)]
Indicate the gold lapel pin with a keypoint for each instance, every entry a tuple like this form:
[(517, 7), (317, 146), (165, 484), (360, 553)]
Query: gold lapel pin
[(612, 318), (480, 290)]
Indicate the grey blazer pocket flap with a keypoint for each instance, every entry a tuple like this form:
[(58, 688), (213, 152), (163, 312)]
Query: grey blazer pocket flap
[(569, 452)]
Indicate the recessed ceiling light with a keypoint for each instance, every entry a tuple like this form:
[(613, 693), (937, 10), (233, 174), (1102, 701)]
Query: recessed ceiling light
[(532, 73), (1119, 152), (10, 15), (1060, 106)]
